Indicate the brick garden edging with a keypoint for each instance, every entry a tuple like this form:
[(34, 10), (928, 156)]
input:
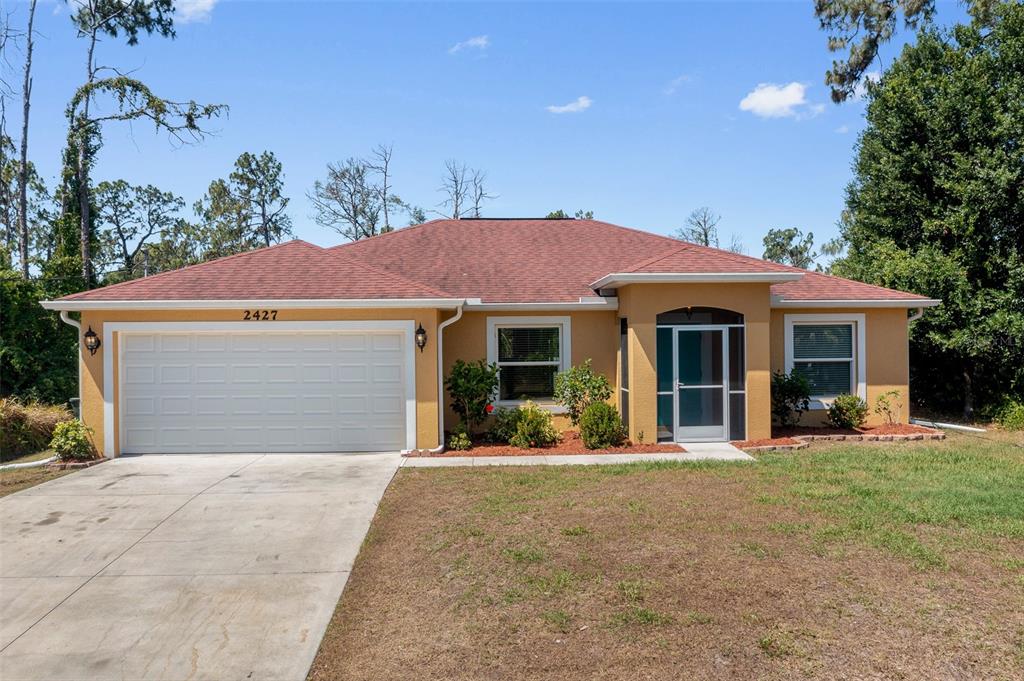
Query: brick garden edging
[(64, 465), (777, 448), (871, 438)]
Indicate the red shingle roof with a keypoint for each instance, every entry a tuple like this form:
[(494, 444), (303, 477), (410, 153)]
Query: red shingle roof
[(497, 261), (295, 270)]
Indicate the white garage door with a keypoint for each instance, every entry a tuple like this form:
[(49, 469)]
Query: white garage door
[(263, 392)]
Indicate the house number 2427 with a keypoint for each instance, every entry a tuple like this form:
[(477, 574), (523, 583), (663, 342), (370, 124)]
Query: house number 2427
[(259, 315)]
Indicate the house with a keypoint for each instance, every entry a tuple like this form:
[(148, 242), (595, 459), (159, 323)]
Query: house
[(300, 348)]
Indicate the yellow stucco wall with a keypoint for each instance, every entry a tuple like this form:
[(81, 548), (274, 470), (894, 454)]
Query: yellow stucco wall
[(92, 366), (640, 304), (886, 355), (595, 336)]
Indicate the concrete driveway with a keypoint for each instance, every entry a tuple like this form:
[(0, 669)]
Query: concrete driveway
[(182, 567)]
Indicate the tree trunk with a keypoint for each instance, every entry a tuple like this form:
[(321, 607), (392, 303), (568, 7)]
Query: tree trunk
[(82, 170), (26, 98), (968, 394)]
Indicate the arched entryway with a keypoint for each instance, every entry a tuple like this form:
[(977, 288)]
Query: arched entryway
[(701, 367)]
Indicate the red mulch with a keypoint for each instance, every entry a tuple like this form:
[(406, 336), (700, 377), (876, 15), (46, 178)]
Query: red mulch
[(896, 429), (766, 442), (571, 443)]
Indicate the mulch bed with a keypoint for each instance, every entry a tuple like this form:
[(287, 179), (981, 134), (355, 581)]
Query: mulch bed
[(571, 444), (770, 444)]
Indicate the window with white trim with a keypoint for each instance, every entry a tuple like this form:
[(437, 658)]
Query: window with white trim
[(528, 352), (825, 354)]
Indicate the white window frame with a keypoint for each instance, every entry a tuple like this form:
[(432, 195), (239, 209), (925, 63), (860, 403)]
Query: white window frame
[(564, 325), (858, 372)]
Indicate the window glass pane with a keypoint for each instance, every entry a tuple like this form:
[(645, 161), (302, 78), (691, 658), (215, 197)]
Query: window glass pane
[(737, 416), (701, 407), (528, 345), (700, 357), (827, 378), (666, 382), (737, 360), (624, 408), (822, 341), (665, 430), (700, 315), (526, 382)]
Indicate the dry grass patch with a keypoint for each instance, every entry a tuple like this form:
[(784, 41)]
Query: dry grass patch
[(835, 562)]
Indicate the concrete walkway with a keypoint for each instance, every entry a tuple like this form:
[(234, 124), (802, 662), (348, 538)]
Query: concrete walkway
[(694, 451), (182, 567)]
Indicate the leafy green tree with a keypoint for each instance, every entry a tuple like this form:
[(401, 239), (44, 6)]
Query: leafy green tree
[(130, 216), (937, 205), (790, 247), (861, 27), (562, 215), (247, 210)]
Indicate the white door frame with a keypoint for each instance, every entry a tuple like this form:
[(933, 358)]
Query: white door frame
[(676, 386), (406, 326)]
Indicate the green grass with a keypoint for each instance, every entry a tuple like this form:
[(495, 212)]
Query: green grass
[(884, 496), (638, 616)]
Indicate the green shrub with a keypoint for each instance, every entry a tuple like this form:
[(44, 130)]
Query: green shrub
[(791, 397), (459, 440), (71, 441), (888, 405), (578, 387), (471, 386), (601, 426), (534, 428), (27, 428), (1011, 415), (504, 427), (847, 411)]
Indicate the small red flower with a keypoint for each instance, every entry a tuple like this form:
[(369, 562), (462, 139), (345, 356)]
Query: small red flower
[(489, 408)]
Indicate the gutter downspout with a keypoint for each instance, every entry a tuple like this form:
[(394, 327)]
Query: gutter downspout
[(78, 326), (440, 382), (917, 315)]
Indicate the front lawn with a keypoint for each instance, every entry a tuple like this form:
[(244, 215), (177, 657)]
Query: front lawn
[(839, 561), (17, 479)]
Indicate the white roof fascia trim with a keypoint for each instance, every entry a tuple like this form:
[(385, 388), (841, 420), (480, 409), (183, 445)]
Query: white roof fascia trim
[(78, 305), (595, 303), (620, 278), (782, 302)]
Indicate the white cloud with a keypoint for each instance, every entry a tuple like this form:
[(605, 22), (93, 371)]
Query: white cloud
[(771, 100), (581, 104), (480, 42), (676, 83), (193, 11), (843, 129)]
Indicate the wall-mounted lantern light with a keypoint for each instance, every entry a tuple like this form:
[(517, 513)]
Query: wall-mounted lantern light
[(421, 338), (92, 341)]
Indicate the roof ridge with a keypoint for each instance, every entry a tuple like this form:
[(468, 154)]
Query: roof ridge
[(388, 273), (650, 261), (121, 284), (406, 229)]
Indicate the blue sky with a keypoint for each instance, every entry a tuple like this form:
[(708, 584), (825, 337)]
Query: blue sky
[(630, 110)]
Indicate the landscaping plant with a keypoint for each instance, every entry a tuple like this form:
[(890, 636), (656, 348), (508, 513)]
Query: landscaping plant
[(472, 385), (1011, 415), (27, 428), (71, 441), (791, 397), (459, 439), (579, 387), (504, 427), (888, 406), (534, 428), (847, 411), (601, 427)]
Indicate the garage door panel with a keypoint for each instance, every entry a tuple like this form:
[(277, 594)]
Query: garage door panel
[(263, 391)]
